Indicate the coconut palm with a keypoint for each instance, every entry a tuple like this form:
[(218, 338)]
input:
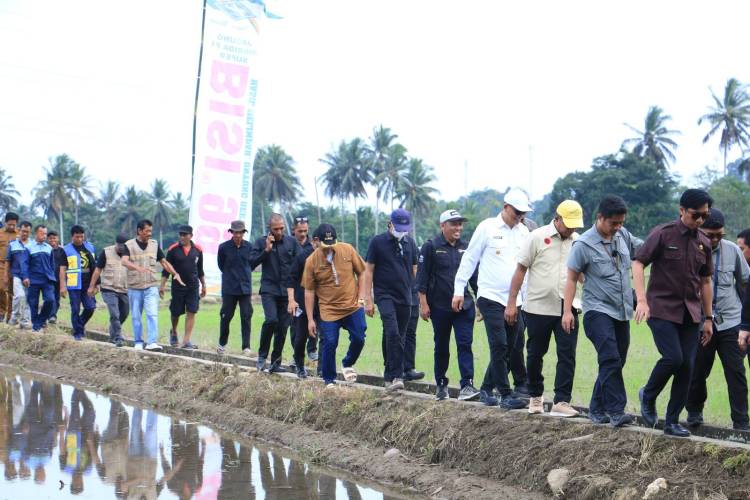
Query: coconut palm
[(79, 186), (414, 191), (654, 141), (275, 177), (355, 175), (52, 194), (8, 191), (109, 197), (332, 178), (377, 152), (134, 205), (732, 115), (161, 213), (393, 171)]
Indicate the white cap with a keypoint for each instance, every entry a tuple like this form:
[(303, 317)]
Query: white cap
[(452, 215), (518, 200)]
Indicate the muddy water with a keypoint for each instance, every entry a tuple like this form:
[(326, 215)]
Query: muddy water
[(57, 441)]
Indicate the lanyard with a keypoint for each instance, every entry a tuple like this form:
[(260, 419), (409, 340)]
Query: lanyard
[(716, 279)]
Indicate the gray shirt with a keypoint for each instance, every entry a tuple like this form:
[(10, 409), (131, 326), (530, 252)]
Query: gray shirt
[(606, 268), (730, 274)]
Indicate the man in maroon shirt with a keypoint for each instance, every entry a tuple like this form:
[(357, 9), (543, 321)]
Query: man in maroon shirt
[(678, 305)]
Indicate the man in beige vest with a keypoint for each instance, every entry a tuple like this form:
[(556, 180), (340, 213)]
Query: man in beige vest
[(7, 234), (140, 256), (114, 286)]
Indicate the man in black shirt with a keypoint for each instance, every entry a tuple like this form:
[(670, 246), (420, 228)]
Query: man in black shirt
[(391, 266), (296, 296), (438, 264), (76, 268), (301, 231), (276, 253), (58, 255), (234, 258), (187, 259)]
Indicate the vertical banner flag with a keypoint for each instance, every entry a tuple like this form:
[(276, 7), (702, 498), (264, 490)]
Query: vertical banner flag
[(223, 148)]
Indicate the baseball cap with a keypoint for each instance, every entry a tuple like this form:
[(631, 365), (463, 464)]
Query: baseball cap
[(401, 219), (518, 200), (571, 213), (715, 220), (452, 215), (184, 228), (326, 233)]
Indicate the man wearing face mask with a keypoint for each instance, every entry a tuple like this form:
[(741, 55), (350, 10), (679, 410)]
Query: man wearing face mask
[(114, 286), (494, 247), (678, 306), (391, 268)]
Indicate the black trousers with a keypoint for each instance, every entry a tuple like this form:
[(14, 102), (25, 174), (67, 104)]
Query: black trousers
[(541, 328), (677, 343), (725, 343), (228, 305), (500, 336), (274, 326), (410, 342), (517, 365), (395, 318), (300, 338), (312, 343)]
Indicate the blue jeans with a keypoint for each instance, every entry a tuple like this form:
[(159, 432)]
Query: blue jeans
[(48, 296), (79, 318), (148, 299), (356, 325), (141, 445), (611, 339), (462, 323)]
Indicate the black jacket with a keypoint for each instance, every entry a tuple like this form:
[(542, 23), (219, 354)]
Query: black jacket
[(436, 272), (236, 268), (276, 264)]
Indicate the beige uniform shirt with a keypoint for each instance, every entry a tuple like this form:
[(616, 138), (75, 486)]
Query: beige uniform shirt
[(545, 254)]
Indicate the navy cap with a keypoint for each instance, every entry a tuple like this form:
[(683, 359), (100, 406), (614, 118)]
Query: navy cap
[(326, 233), (715, 220), (401, 219), (184, 228), (122, 238)]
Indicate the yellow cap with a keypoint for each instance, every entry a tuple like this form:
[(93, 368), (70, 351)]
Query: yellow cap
[(571, 213)]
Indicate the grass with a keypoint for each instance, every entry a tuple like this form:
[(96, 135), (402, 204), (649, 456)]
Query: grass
[(641, 357)]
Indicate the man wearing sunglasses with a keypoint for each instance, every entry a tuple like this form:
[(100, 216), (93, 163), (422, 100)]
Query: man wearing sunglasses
[(678, 305), (494, 247), (731, 273)]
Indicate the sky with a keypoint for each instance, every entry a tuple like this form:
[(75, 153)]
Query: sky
[(490, 94)]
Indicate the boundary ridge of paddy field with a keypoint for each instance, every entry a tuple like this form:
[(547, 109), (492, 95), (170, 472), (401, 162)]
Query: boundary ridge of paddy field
[(445, 449)]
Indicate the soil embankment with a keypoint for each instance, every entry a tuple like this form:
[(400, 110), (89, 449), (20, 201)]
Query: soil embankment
[(447, 450)]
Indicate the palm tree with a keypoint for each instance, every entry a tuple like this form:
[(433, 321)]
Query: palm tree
[(414, 192), (732, 115), (52, 194), (378, 151), (653, 142), (109, 197), (275, 177), (393, 171), (79, 186), (332, 178), (8, 191), (355, 174), (134, 204), (160, 207)]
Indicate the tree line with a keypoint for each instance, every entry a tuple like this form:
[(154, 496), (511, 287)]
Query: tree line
[(639, 171)]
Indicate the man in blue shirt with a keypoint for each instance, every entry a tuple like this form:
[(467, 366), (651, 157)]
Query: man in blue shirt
[(41, 278), (392, 267), (18, 274)]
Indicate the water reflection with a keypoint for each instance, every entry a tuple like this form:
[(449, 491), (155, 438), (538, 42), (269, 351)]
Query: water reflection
[(106, 448)]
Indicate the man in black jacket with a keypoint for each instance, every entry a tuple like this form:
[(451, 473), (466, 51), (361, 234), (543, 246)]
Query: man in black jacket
[(296, 309), (276, 253), (234, 258)]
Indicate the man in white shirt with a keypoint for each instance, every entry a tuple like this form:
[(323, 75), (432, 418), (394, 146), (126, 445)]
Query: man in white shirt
[(494, 247), (545, 257)]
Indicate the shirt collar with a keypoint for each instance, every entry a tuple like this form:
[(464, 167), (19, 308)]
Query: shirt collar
[(683, 228)]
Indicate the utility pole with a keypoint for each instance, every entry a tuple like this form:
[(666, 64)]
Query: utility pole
[(531, 170), (317, 200), (466, 183)]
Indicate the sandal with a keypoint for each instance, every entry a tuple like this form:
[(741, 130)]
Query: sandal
[(189, 345), (349, 374)]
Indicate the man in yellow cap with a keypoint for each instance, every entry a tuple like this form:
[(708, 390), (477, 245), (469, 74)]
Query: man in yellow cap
[(544, 256)]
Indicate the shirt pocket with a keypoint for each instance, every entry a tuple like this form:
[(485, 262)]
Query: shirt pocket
[(603, 267), (674, 254), (726, 276), (497, 246)]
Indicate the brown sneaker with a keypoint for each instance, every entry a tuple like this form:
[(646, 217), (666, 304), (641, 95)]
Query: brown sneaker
[(563, 409), (536, 405)]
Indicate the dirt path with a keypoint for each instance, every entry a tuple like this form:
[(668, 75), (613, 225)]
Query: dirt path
[(447, 450)]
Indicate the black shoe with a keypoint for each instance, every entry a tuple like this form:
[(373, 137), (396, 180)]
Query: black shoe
[(260, 364), (694, 419), (487, 398), (648, 410), (442, 392), (293, 365), (301, 373), (741, 426), (620, 419), (173, 341), (522, 392), (599, 418), (510, 403), (276, 368), (118, 343), (413, 375), (676, 430)]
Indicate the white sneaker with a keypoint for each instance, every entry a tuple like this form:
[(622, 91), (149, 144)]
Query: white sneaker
[(563, 409), (536, 405), (246, 351), (153, 347), (138, 346), (396, 385)]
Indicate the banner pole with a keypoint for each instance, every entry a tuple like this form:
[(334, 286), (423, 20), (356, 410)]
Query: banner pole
[(197, 91)]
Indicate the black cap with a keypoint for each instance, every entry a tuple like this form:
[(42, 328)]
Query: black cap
[(184, 228), (122, 238), (715, 220), (326, 233)]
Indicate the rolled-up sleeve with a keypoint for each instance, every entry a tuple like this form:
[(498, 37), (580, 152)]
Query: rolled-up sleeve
[(470, 260)]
